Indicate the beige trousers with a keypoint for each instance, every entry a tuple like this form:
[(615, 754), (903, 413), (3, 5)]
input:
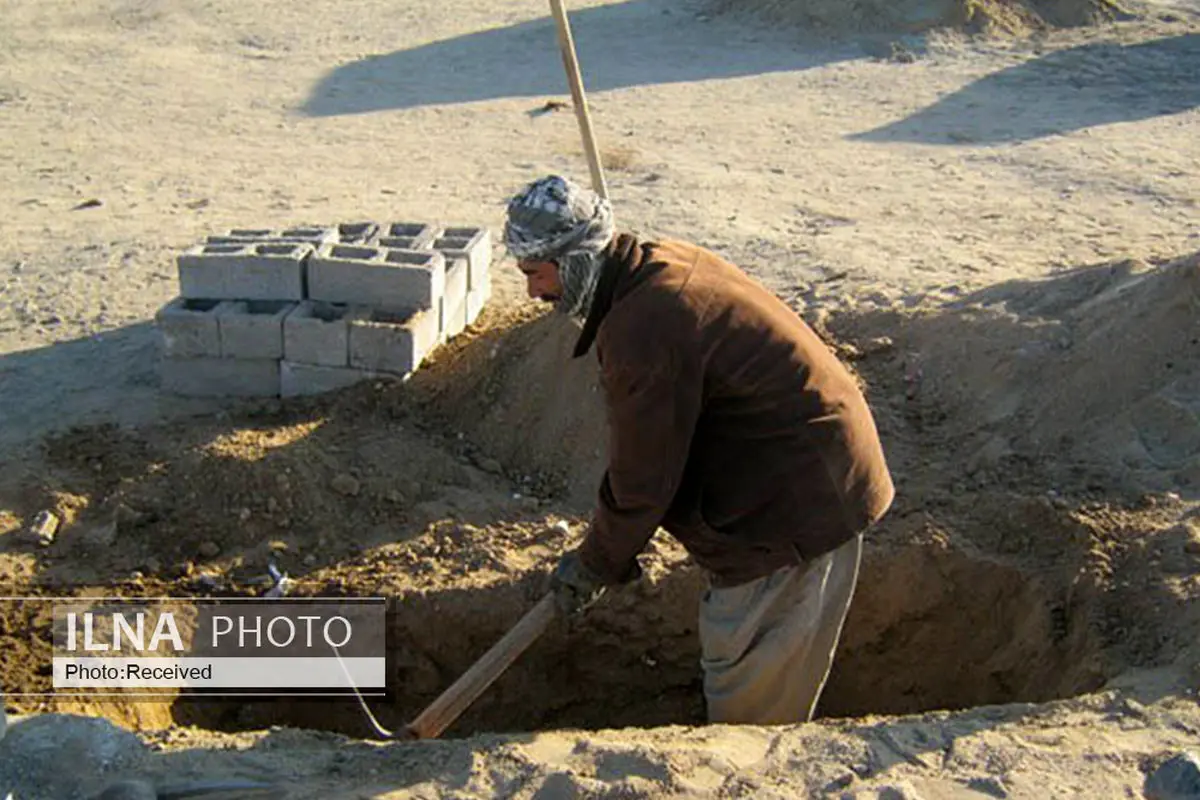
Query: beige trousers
[(767, 645)]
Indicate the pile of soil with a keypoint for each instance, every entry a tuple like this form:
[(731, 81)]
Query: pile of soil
[(1048, 421), (516, 393), (1091, 375), (914, 16)]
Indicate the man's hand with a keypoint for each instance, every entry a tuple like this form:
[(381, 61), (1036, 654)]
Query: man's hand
[(574, 586)]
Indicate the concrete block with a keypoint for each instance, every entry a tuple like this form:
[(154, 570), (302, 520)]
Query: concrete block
[(454, 299), (189, 328), (252, 328), (241, 236), (396, 342), (476, 300), (313, 235), (220, 377), (261, 271), (404, 242), (454, 321), (473, 244), (408, 235), (299, 380), (203, 269), (309, 234), (317, 333), (357, 232), (380, 277)]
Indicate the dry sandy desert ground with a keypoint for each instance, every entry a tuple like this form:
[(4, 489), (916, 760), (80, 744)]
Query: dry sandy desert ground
[(998, 231)]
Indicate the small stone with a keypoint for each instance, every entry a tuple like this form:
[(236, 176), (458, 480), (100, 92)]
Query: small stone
[(244, 515), (283, 482), (901, 54), (272, 505), (152, 565), (44, 526), (1177, 778), (394, 497), (898, 791), (209, 549), (1133, 707), (490, 465), (879, 344), (310, 559), (840, 782), (89, 746), (345, 484), (991, 786)]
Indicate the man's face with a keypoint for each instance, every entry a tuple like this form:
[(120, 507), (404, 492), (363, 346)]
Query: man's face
[(541, 280)]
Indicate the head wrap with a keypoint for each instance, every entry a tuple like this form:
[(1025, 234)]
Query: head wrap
[(555, 219)]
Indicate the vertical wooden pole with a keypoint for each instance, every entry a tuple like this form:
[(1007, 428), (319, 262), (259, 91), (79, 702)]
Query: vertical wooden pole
[(571, 64)]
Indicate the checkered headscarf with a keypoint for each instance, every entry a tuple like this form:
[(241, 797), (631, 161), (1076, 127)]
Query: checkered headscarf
[(555, 219)]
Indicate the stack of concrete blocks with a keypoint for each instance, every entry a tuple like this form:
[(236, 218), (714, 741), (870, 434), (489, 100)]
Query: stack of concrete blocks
[(304, 311)]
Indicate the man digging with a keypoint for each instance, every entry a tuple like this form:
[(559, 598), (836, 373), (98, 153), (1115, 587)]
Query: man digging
[(732, 426)]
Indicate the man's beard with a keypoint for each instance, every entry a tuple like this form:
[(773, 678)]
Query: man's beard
[(578, 273)]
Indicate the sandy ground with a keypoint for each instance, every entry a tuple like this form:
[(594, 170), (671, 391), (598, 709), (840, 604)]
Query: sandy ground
[(875, 192), (797, 159)]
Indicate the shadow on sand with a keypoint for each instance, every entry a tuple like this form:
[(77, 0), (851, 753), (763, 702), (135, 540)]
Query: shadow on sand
[(1064, 91), (110, 376), (620, 46)]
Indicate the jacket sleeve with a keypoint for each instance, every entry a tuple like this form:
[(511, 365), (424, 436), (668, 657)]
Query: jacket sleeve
[(652, 390)]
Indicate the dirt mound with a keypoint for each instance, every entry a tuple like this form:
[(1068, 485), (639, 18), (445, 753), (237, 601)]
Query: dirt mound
[(514, 392), (914, 16), (1092, 375), (229, 495), (1051, 425)]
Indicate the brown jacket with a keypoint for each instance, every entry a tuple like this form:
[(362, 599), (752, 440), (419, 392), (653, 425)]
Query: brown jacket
[(731, 424)]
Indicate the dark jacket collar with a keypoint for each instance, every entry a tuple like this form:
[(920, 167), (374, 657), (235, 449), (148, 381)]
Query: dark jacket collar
[(622, 257)]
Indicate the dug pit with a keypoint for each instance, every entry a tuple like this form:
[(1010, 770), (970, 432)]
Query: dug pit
[(933, 627)]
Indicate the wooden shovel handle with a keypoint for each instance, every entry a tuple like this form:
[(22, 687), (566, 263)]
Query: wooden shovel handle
[(443, 711), (566, 44)]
